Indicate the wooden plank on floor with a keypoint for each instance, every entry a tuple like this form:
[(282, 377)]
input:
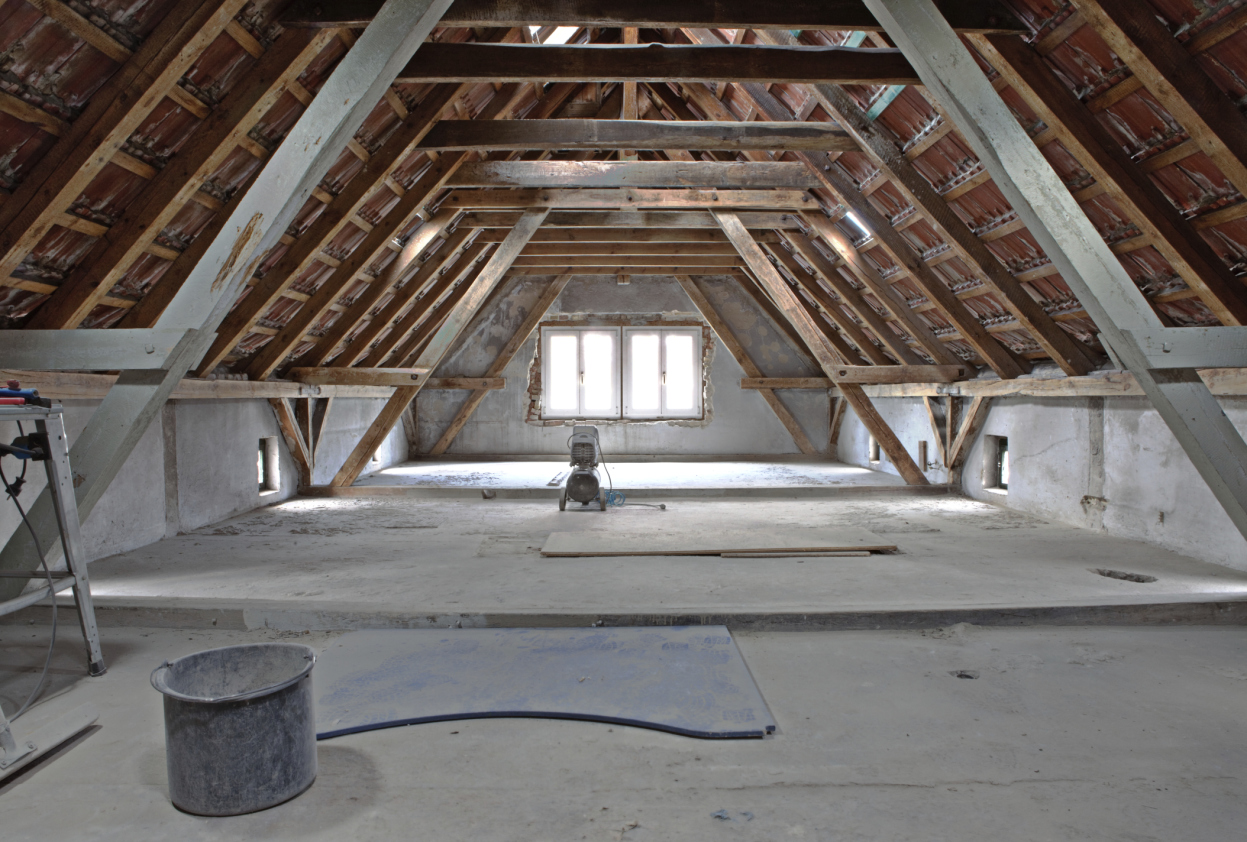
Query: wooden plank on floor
[(710, 542)]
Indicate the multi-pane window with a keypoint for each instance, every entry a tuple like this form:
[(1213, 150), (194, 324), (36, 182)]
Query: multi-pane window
[(629, 373)]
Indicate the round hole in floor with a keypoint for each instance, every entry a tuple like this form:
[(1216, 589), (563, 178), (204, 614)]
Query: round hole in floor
[(964, 673), (1123, 575)]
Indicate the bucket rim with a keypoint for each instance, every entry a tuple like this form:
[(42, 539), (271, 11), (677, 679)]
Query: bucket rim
[(160, 675)]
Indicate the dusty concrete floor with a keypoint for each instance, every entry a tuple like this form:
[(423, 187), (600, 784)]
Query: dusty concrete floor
[(632, 475), (1108, 733), (465, 560)]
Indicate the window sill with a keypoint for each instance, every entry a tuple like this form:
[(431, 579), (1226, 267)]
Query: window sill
[(999, 492), (270, 492)]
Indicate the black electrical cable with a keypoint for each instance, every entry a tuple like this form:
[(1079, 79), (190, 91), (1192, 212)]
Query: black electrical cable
[(47, 661)]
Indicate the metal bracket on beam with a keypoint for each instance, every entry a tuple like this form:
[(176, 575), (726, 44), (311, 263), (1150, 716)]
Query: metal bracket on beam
[(1192, 347), (91, 350)]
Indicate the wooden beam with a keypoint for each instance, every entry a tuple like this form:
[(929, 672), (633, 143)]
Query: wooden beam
[(738, 352), (882, 150), (770, 278), (273, 353), (327, 224), (397, 271), (609, 237), (547, 249), (898, 248), (1061, 229), (787, 383), (875, 374), (614, 260), (282, 187), (632, 220), (440, 344), (833, 310), (964, 15), (432, 318), (499, 365), (296, 441), (1090, 143), (553, 174), (851, 297), (457, 265), (360, 376), (164, 196), (1177, 81), (494, 63), (630, 199), (970, 426), (653, 269), (595, 135), (114, 112)]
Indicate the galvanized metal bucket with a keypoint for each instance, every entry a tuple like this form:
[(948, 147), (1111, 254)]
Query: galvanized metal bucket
[(240, 730)]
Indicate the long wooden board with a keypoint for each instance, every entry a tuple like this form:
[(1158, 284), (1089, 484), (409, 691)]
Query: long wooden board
[(710, 542)]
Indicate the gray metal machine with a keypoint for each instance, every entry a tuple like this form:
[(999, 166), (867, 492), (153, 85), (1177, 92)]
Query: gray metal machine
[(584, 485)]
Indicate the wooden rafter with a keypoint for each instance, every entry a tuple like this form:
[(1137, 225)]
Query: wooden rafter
[(1088, 141), (499, 365), (379, 239), (831, 308), (894, 244), (112, 115), (738, 352), (266, 360), (337, 213), (1174, 77), (865, 272), (440, 344), (769, 277), (384, 348), (177, 183), (915, 188), (395, 273)]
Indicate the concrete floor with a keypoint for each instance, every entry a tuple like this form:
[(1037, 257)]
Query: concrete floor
[(1075, 733), (343, 563), (759, 474)]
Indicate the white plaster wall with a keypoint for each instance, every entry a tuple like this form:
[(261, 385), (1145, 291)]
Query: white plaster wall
[(741, 423), (215, 477), (345, 423), (132, 517), (1060, 472)]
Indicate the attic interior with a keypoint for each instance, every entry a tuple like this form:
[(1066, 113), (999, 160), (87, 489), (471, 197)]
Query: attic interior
[(637, 421)]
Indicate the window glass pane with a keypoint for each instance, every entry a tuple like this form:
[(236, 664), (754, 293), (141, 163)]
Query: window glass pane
[(681, 368), (562, 390), (599, 368), (646, 370)]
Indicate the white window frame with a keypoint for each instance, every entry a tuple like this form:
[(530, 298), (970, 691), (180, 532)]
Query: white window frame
[(546, 359), (664, 411)]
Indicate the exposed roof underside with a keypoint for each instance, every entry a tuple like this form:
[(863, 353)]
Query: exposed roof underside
[(110, 245)]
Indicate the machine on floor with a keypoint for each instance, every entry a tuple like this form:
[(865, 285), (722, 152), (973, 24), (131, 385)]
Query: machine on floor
[(583, 484)]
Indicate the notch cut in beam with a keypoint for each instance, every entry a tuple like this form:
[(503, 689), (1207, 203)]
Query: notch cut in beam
[(494, 63), (964, 15), (601, 135), (648, 174)]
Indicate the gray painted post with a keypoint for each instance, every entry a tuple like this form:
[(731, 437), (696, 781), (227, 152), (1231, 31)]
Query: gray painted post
[(1057, 222), (348, 96)]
